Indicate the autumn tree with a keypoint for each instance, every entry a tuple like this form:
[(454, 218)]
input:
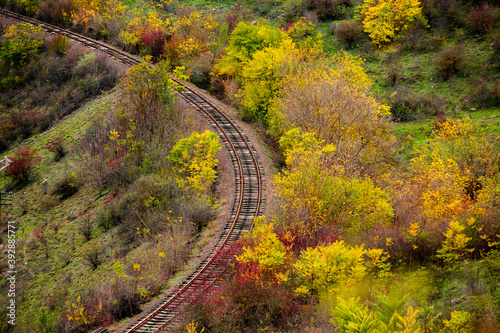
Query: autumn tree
[(326, 268), (314, 196), (23, 163), (149, 97), (245, 40), (334, 102), (194, 160), (21, 42), (385, 20)]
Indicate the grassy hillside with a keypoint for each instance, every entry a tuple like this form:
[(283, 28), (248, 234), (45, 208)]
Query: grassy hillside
[(384, 219)]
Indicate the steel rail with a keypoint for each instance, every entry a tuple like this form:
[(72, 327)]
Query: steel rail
[(232, 137)]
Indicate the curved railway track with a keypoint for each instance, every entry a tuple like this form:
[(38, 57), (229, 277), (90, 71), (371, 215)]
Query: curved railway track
[(248, 202)]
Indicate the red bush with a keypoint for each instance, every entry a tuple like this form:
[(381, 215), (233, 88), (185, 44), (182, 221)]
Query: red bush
[(55, 146), (482, 20), (155, 41), (23, 163)]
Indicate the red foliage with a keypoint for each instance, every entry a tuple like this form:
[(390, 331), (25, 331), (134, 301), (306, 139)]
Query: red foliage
[(55, 146), (482, 20), (23, 163), (155, 41)]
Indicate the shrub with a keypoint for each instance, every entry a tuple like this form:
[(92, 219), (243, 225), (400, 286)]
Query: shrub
[(109, 215), (444, 14), (56, 11), (482, 20), (450, 61), (293, 10), (407, 106), (495, 57), (85, 227), (384, 20), (417, 40), (21, 43), (66, 187), (23, 164), (55, 145), (483, 93), (93, 255), (200, 71), (59, 45), (349, 33), (330, 9)]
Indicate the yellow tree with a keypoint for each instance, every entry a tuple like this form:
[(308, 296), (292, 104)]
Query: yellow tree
[(333, 101), (313, 195), (194, 160), (384, 20)]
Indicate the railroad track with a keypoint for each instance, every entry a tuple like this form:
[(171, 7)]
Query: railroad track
[(248, 202)]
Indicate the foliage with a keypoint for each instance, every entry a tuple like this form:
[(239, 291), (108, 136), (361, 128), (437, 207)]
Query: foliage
[(244, 41), (408, 106), (194, 160), (21, 42), (88, 13), (482, 20), (330, 9), (80, 314), (23, 163), (329, 267), (460, 322), (149, 97), (265, 248), (450, 61), (56, 146), (349, 33), (313, 195), (460, 152), (335, 103), (307, 38), (385, 20), (351, 316), (455, 245)]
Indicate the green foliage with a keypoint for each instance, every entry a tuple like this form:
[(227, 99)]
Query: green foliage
[(350, 316), (389, 309), (149, 98), (329, 267), (460, 322), (194, 160), (45, 322), (245, 40), (21, 42)]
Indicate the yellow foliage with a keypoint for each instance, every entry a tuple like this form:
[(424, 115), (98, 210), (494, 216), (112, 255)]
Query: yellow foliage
[(80, 315), (265, 249), (333, 101), (142, 24), (312, 194), (455, 245), (384, 20), (194, 160), (89, 10), (327, 268)]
